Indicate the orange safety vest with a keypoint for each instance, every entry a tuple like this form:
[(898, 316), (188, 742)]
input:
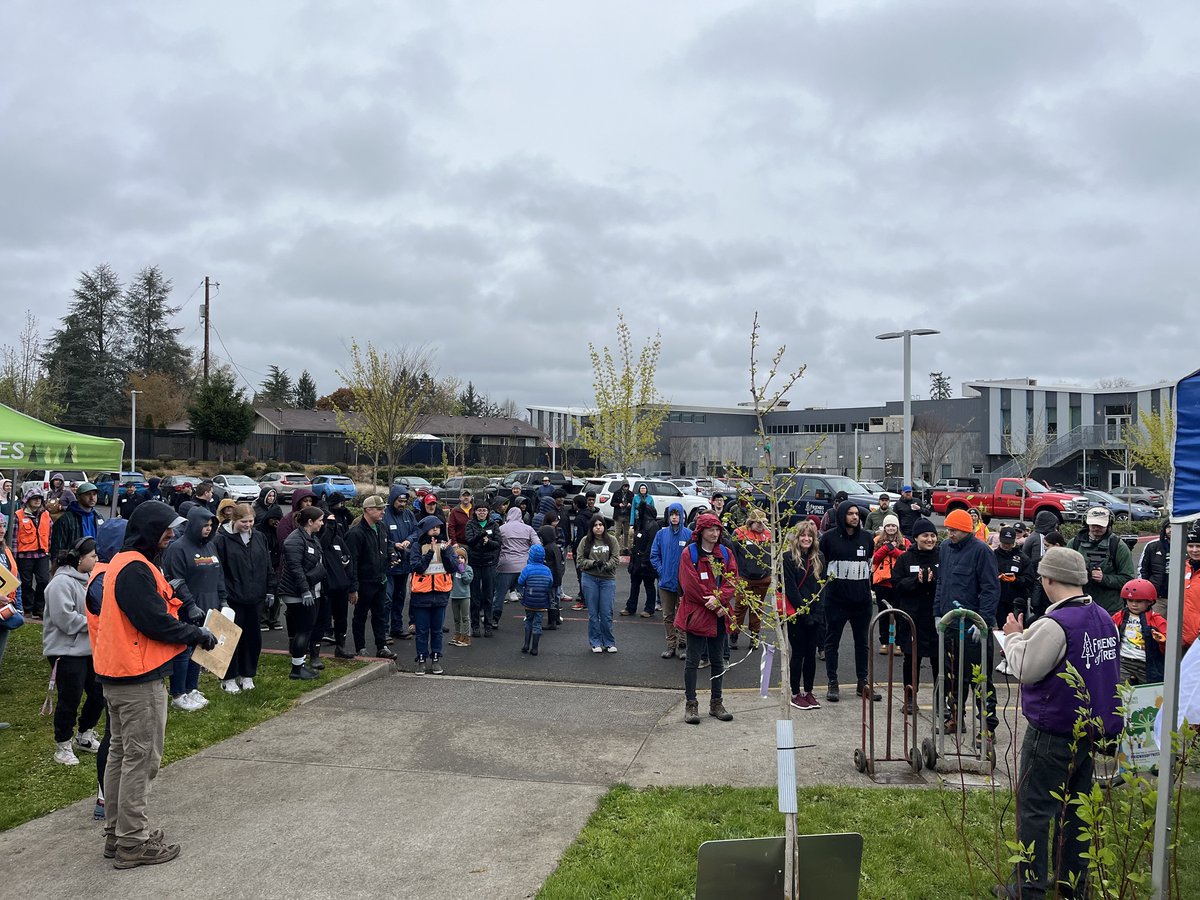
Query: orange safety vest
[(424, 583), (118, 649), (33, 536)]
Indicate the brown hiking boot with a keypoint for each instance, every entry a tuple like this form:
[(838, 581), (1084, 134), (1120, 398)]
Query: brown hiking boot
[(717, 710), (691, 713), (110, 842), (150, 853)]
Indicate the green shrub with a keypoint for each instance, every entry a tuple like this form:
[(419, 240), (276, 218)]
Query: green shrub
[(327, 470), (165, 458)]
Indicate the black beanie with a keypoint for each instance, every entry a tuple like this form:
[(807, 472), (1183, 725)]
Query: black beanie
[(923, 526)]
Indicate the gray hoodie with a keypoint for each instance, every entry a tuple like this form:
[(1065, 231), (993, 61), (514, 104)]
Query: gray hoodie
[(65, 630)]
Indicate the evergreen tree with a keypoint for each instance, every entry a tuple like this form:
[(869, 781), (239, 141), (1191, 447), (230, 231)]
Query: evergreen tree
[(86, 355), (153, 344), (939, 386), (220, 412), (276, 388), (472, 403), (306, 391)]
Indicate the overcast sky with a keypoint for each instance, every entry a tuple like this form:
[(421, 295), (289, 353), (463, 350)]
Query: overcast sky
[(495, 179)]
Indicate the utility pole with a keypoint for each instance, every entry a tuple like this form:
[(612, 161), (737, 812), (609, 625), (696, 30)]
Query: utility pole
[(206, 315)]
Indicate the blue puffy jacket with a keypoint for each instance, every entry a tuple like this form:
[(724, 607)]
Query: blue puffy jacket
[(536, 581), (668, 547)]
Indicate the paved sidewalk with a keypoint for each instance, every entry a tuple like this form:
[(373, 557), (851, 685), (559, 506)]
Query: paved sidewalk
[(427, 787)]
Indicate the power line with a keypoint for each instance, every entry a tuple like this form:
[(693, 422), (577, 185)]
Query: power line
[(229, 359)]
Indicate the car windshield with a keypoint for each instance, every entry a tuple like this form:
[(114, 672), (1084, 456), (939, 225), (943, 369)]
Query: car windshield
[(1034, 487), (341, 481), (842, 483), (239, 479), (1101, 497)]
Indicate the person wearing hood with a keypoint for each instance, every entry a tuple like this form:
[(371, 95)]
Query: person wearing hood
[(129, 501), (58, 485), (33, 525), (433, 563), (268, 526), (547, 503), (665, 552), (66, 646), (483, 553), (400, 527), (847, 551), (193, 560), (1045, 523), (136, 637), (622, 507), (300, 580), (152, 487), (371, 550), (830, 520), (267, 497), (302, 498), (249, 580), (707, 575), (556, 561), (515, 540), (536, 582), (641, 570), (1017, 575), (968, 577), (1156, 564), (914, 584), (333, 610), (80, 519), (752, 545), (1110, 564)]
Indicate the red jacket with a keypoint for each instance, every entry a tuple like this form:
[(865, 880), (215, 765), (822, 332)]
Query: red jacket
[(1191, 605), (698, 580), (887, 558), (456, 524)]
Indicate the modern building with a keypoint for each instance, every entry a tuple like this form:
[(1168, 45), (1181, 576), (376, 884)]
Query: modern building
[(1065, 434)]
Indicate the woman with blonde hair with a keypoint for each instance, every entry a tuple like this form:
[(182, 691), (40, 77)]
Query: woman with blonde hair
[(802, 570), (981, 530)]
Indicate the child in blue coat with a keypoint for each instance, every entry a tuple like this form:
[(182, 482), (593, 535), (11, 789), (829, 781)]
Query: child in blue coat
[(536, 582)]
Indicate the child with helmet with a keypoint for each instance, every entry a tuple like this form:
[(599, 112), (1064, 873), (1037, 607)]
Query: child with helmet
[(1143, 633)]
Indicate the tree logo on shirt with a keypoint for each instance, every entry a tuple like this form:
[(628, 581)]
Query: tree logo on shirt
[(1098, 650)]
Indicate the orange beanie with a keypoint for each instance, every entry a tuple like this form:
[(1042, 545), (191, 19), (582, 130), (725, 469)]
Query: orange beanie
[(960, 520)]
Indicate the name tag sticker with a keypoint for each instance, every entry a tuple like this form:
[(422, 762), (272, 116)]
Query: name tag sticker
[(392, 527), (683, 543), (704, 576), (337, 547), (311, 550), (862, 551), (914, 569)]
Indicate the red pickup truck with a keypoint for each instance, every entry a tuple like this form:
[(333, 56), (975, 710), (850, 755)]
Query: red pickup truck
[(1005, 501)]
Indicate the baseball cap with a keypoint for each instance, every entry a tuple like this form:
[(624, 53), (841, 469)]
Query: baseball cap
[(1098, 515), (374, 502), (906, 489), (1008, 535), (85, 487)]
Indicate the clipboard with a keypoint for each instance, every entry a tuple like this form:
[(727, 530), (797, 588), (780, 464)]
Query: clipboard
[(8, 581), (228, 634)]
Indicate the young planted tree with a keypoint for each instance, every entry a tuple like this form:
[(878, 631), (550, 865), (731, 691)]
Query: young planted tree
[(25, 384), (1151, 441), (389, 410), (624, 424), (220, 412)]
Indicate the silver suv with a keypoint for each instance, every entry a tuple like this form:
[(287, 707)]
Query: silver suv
[(663, 492)]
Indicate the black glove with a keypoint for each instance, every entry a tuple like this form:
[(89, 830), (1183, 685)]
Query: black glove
[(207, 639), (194, 614)]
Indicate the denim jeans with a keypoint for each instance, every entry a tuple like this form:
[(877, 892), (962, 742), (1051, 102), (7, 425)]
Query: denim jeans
[(185, 674), (698, 644), (533, 621), (505, 582), (429, 621), (1048, 766), (598, 594)]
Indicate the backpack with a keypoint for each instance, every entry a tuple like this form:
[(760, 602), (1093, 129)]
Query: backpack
[(883, 572), (694, 551)]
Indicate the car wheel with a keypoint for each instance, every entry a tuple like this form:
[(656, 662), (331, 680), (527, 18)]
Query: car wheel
[(1122, 517)]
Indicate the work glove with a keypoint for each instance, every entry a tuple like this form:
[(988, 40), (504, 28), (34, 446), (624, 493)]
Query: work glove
[(973, 633), (194, 614), (207, 639), (307, 598)]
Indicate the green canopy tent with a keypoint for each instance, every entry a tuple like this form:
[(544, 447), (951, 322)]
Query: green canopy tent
[(27, 443)]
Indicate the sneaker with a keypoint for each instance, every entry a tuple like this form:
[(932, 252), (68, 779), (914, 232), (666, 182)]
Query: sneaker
[(360, 651), (610, 649), (386, 653), (65, 755), (186, 703), (798, 701), (199, 698), (110, 842), (883, 650), (597, 649), (264, 627), (703, 664), (98, 812), (88, 741), (436, 668), (811, 701), (247, 684), (578, 606), (419, 666), (230, 686), (627, 612), (150, 853)]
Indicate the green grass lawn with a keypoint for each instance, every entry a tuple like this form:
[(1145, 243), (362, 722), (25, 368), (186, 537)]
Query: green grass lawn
[(33, 784), (643, 843)]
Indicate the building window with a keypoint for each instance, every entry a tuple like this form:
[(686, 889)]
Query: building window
[(1076, 417), (701, 417), (689, 417)]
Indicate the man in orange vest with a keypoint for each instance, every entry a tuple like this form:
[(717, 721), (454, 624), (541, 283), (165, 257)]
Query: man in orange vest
[(139, 635)]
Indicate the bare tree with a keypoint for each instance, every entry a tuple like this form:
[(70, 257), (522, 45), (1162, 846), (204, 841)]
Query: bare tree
[(25, 384), (932, 439), (389, 388), (1112, 384), (1027, 455), (683, 449)]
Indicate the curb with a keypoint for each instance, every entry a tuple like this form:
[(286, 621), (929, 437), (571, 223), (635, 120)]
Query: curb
[(371, 672)]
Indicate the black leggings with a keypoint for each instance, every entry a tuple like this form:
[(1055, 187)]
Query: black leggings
[(483, 586), (646, 583), (300, 621), (35, 575), (244, 663), (75, 678), (803, 632)]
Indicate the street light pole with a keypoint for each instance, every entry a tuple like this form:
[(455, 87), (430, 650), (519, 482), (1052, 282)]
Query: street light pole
[(907, 335), (133, 433)]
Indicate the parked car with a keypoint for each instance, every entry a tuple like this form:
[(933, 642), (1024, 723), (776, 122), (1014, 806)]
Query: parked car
[(810, 495), (1122, 511), (689, 486), (40, 478), (482, 488), (1132, 493), (170, 483), (235, 487), (324, 485), (285, 483), (1005, 500), (531, 479), (712, 485), (417, 486), (922, 489), (104, 482), (663, 492)]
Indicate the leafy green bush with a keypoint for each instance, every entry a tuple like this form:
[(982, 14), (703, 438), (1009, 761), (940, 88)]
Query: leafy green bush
[(327, 470)]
